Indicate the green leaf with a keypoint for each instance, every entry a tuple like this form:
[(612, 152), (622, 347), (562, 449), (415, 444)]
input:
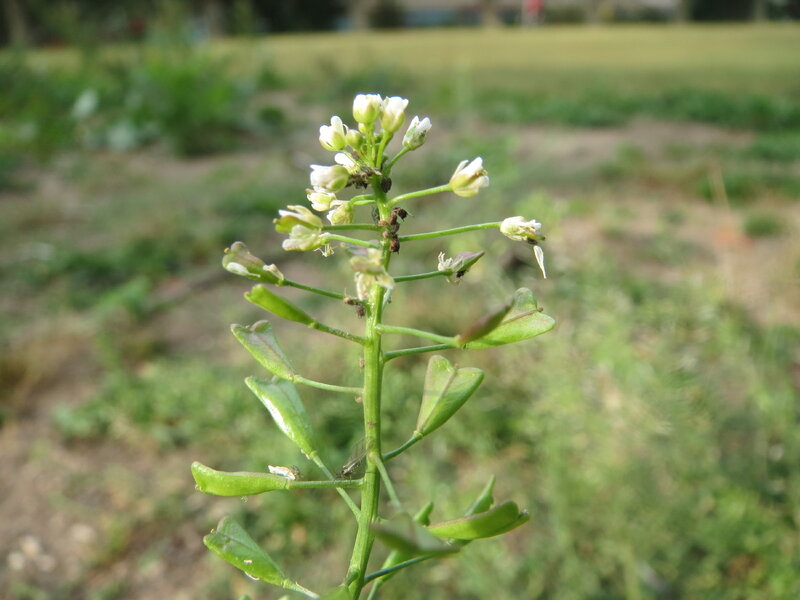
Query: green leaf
[(230, 542), (484, 500), (241, 483), (446, 390), (410, 539), (287, 410), (523, 321), (338, 593), (260, 341), (490, 523), (262, 296)]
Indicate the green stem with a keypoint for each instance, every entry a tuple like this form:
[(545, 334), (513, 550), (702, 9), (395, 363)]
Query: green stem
[(337, 332), (331, 483), (398, 566), (387, 356), (308, 288), (352, 226), (400, 449), (426, 335), (387, 481), (385, 139), (388, 168), (444, 232), (347, 499), (419, 193), (354, 241), (428, 275), (371, 402), (326, 386)]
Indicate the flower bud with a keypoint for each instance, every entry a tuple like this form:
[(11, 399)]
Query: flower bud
[(332, 137), (416, 133), (346, 161), (320, 199), (520, 230), (331, 179), (393, 113), (304, 239), (342, 213), (468, 179), (239, 261), (367, 108), (355, 138)]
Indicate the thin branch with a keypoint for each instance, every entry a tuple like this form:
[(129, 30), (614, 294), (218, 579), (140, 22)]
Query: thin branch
[(427, 335), (444, 232), (354, 241), (326, 386), (419, 350), (428, 275), (398, 566)]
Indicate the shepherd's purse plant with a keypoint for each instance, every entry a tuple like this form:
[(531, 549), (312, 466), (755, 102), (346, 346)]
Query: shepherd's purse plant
[(362, 161)]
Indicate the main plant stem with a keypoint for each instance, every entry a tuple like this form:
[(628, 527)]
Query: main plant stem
[(373, 380)]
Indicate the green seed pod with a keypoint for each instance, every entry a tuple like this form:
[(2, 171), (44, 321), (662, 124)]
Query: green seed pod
[(410, 539), (260, 341), (484, 500), (278, 306), (231, 542), (486, 524), (222, 483), (446, 390), (287, 410), (524, 320)]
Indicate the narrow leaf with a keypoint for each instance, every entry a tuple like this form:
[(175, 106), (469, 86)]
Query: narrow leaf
[(410, 539), (241, 483), (277, 305), (446, 390), (260, 341), (230, 542), (484, 500), (523, 321), (287, 410), (499, 520)]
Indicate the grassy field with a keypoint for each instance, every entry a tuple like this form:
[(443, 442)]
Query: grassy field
[(653, 435)]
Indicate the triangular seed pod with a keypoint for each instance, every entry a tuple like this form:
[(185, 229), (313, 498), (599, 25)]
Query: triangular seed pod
[(241, 483), (446, 390), (277, 305), (261, 342), (524, 320)]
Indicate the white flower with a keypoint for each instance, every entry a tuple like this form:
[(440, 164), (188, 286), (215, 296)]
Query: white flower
[(367, 108), (341, 213), (415, 135), (520, 230), (331, 179), (296, 215), (346, 161), (468, 179), (332, 137), (320, 199), (303, 238), (368, 264), (458, 266), (393, 113)]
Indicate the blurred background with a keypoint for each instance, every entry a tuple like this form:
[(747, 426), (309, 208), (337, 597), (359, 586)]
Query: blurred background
[(653, 434)]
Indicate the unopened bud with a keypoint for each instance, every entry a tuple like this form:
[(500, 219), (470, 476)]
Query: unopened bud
[(355, 138), (341, 213), (416, 133), (332, 137), (331, 179), (320, 199), (366, 108), (239, 261), (393, 113), (469, 178)]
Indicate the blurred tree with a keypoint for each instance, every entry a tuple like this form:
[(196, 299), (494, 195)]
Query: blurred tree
[(16, 23), (358, 13), (489, 16)]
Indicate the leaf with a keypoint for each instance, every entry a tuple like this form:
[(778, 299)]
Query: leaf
[(523, 321), (446, 390), (260, 341), (277, 305), (500, 519), (241, 483), (287, 410), (484, 500), (410, 539), (230, 542)]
